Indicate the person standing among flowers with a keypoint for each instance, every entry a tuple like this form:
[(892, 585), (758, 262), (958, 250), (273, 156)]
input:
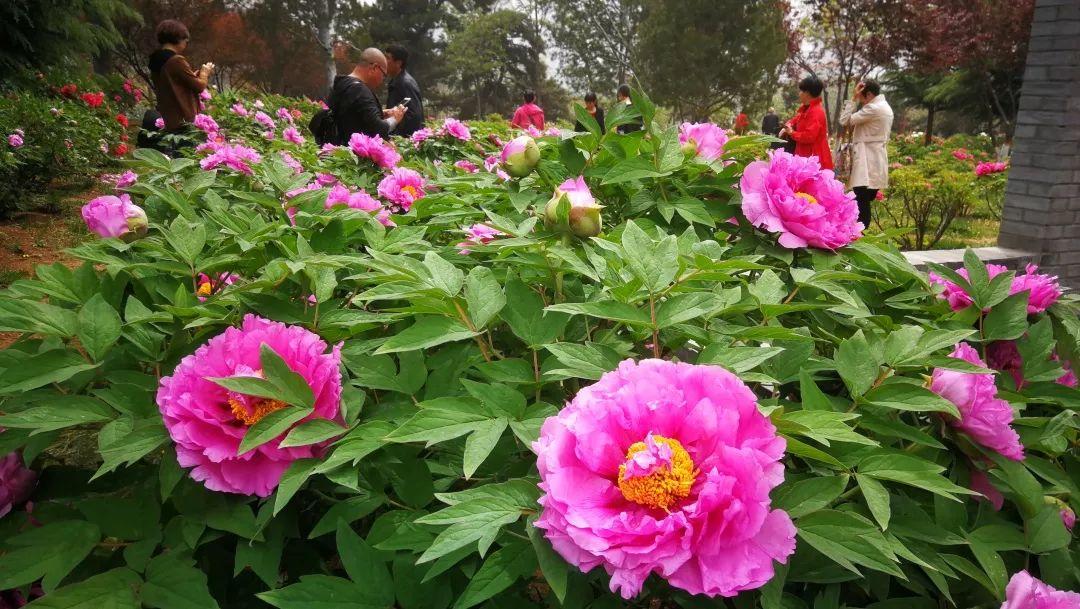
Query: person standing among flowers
[(354, 104), (742, 123), (871, 125), (808, 128), (770, 123), (176, 85), (403, 86), (528, 114), (623, 96), (594, 111)]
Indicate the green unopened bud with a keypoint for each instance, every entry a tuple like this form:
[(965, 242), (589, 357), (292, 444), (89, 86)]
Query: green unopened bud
[(689, 148), (581, 220), (520, 156)]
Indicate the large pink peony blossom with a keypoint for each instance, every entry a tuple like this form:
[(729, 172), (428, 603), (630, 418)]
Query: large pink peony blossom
[(16, 482), (1003, 355), (402, 188), (420, 136), (1044, 289), (111, 216), (984, 417), (340, 195), (234, 156), (205, 122), (1026, 592), (793, 196), (292, 135), (264, 119), (457, 129), (207, 422), (380, 152), (666, 468), (706, 139)]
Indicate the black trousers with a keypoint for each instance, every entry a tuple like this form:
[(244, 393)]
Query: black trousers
[(864, 197)]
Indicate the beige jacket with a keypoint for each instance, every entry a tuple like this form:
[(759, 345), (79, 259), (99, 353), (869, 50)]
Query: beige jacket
[(871, 126)]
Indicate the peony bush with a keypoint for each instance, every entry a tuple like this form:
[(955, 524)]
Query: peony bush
[(481, 368)]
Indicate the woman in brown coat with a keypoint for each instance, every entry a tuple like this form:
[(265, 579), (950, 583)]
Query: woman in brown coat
[(176, 85)]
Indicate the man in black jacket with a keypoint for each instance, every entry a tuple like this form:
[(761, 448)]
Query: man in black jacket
[(770, 124), (353, 101), (403, 86)]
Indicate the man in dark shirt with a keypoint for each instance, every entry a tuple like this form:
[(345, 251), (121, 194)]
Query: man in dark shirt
[(770, 124), (623, 97), (353, 101), (402, 85)]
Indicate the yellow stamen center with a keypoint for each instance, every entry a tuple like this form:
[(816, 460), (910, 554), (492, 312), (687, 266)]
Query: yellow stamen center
[(409, 189), (809, 198), (204, 289), (250, 417), (667, 484)]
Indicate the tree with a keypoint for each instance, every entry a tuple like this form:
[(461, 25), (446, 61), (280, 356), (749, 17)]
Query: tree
[(595, 42), (696, 63), (492, 59), (41, 34)]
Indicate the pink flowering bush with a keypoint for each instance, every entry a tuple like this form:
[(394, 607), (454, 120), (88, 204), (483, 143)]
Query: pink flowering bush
[(804, 204), (380, 152), (207, 421), (706, 140), (984, 417), (665, 468), (111, 216)]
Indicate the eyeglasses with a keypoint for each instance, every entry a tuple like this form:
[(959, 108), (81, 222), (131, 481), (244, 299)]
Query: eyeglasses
[(381, 69)]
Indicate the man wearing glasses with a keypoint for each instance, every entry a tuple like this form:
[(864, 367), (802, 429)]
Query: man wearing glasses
[(353, 101)]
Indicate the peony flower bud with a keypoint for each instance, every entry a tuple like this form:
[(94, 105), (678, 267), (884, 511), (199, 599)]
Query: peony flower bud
[(520, 156), (582, 214), (114, 217)]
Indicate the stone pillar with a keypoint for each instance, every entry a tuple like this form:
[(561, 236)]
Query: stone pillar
[(1042, 199)]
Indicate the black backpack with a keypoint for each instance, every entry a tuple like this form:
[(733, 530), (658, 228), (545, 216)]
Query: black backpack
[(323, 126)]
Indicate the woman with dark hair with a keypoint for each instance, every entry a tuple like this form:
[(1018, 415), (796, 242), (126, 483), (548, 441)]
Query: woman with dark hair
[(809, 128), (528, 114), (176, 85), (594, 111), (871, 124)]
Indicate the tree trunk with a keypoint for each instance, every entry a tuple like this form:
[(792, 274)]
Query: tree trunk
[(929, 125), (325, 35)]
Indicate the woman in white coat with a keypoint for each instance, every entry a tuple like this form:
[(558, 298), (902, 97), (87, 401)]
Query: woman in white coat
[(871, 125)]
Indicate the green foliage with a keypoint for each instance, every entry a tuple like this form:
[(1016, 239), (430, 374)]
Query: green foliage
[(42, 34), (426, 491)]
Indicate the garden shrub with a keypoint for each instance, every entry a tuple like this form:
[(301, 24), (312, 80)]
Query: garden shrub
[(301, 406)]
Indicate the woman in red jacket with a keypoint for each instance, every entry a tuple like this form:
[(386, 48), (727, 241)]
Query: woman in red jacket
[(809, 128)]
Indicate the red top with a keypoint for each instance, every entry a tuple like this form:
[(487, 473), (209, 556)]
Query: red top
[(528, 114), (810, 130), (741, 121)]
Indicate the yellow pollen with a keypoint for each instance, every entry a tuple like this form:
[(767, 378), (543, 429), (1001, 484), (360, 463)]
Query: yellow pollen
[(262, 408), (204, 289), (409, 189), (809, 198), (664, 487)]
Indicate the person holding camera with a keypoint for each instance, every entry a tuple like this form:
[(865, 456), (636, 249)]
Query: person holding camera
[(871, 125), (809, 129), (176, 85)]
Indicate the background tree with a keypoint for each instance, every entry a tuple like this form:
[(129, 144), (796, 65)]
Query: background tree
[(595, 42), (697, 63), (40, 34)]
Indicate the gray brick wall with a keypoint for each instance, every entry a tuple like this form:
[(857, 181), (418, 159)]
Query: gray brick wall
[(1042, 199)]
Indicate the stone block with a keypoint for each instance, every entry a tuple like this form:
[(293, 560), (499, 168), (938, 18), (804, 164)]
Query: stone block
[(1066, 191), (1052, 58)]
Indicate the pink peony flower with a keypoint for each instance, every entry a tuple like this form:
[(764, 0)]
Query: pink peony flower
[(478, 234), (326, 179), (961, 154), (466, 166), (553, 132), (880, 196), (1068, 518), (980, 483), (292, 135), (259, 104), (111, 216), (340, 195), (264, 119), (207, 422), (1026, 592), (126, 179), (239, 109), (16, 481), (984, 417), (983, 169), (159, 123), (490, 163), (533, 131), (269, 135), (291, 162), (234, 156), (663, 467), (380, 152), (402, 188), (706, 140), (1044, 289), (584, 217), (457, 129), (285, 115), (305, 188), (208, 286), (204, 95), (420, 136), (793, 196), (205, 123), (1003, 355), (15, 140)]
